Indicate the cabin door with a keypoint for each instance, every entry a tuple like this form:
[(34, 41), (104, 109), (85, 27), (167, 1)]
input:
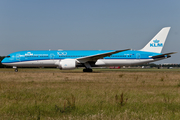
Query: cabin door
[(138, 56), (52, 56), (18, 57)]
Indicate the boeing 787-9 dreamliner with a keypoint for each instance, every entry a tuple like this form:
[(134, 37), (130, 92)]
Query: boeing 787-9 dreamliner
[(70, 59)]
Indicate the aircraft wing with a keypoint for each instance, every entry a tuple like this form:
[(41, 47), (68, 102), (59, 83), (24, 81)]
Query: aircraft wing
[(163, 55), (98, 56)]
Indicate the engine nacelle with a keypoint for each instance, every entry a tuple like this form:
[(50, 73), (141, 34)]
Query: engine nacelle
[(67, 64)]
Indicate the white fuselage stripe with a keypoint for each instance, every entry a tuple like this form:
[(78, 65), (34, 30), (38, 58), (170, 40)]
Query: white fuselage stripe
[(100, 62)]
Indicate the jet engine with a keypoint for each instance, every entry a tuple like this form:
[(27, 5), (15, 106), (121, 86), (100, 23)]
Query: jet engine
[(67, 64)]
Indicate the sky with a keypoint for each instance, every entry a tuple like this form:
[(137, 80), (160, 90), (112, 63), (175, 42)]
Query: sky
[(88, 25)]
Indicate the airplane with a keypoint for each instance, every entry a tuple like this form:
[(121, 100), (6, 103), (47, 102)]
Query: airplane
[(71, 59)]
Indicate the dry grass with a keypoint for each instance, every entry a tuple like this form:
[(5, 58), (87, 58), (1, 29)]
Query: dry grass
[(103, 94)]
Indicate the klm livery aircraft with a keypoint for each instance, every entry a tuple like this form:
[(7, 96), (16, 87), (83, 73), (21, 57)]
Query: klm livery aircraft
[(70, 59)]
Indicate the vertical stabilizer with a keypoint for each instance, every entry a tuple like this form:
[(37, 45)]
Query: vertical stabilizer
[(157, 43)]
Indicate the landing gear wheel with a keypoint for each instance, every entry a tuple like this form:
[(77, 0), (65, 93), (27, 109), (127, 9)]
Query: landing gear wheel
[(87, 70), (16, 70)]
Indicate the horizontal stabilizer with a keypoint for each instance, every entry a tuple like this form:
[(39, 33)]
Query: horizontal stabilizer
[(167, 55)]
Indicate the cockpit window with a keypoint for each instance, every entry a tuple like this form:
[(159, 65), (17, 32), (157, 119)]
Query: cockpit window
[(8, 56)]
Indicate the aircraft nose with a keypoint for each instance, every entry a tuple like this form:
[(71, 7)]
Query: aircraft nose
[(3, 61)]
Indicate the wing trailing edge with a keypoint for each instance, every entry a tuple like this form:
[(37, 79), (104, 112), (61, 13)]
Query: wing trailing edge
[(98, 56)]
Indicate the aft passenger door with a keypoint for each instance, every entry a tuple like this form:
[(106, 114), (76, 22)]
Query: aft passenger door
[(138, 56)]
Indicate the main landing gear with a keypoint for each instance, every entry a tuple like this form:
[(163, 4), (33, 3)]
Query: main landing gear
[(87, 70), (88, 67)]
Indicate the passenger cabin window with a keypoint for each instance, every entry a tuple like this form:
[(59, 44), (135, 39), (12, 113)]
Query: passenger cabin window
[(8, 56)]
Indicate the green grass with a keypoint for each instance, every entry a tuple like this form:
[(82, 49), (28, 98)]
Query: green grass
[(103, 94)]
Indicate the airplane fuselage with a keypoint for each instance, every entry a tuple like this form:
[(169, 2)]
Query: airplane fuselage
[(52, 58)]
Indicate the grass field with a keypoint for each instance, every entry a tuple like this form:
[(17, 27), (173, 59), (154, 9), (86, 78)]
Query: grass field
[(48, 94)]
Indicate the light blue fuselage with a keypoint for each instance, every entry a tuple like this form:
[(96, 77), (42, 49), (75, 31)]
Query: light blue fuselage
[(51, 58)]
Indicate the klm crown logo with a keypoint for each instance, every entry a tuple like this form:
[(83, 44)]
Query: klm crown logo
[(156, 44), (156, 41), (29, 53)]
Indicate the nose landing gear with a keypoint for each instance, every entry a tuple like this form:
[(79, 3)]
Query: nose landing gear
[(15, 68)]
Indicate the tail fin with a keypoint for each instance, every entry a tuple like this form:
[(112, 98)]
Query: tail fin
[(157, 43)]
